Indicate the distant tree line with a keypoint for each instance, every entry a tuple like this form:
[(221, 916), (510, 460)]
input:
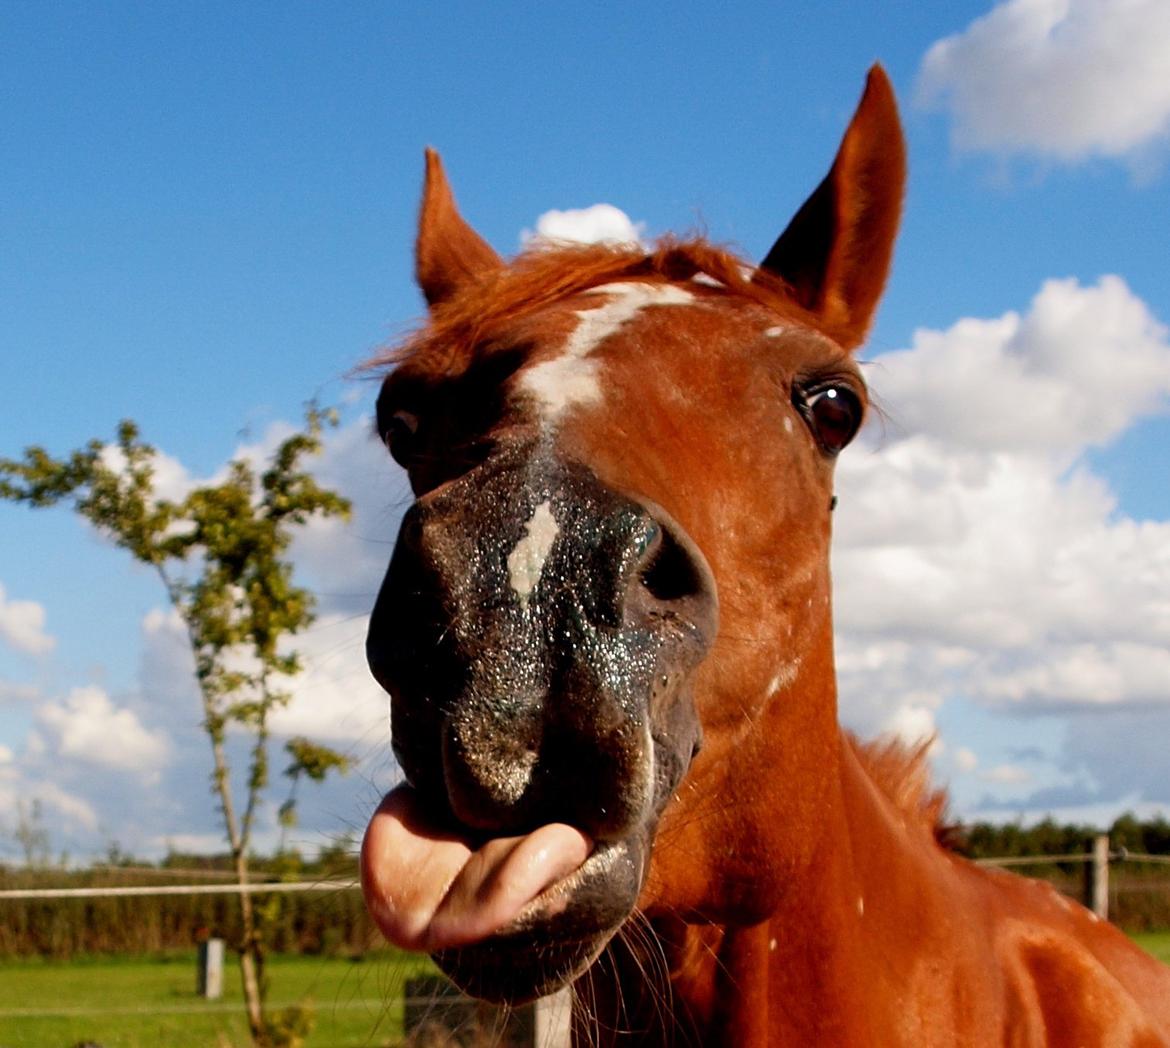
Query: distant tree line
[(1139, 893), (335, 923), (986, 840), (331, 922)]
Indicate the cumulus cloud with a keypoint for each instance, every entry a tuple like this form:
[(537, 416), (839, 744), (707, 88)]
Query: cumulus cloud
[(86, 754), (1075, 370), (1006, 774), (22, 625), (67, 811), (911, 723), (977, 554), (335, 699), (11, 692), (601, 223), (345, 560), (965, 759), (1062, 78), (87, 726), (172, 480)]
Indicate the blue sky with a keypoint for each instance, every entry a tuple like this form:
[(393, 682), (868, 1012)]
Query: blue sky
[(206, 216)]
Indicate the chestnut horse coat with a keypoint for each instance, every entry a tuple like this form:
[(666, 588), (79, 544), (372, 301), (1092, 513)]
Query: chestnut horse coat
[(606, 635)]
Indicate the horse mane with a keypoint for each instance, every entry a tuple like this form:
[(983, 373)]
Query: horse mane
[(901, 771), (483, 310)]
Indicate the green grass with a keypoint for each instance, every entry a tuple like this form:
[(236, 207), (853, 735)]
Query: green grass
[(136, 1003), (1157, 943)]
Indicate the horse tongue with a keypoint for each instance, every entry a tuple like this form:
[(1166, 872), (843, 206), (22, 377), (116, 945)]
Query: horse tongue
[(429, 889)]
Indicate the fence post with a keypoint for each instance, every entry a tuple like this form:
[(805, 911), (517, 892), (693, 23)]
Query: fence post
[(554, 1020), (209, 978), (436, 1012), (1097, 877)]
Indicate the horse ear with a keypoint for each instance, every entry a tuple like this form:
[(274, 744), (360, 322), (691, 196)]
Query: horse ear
[(448, 253), (835, 253)]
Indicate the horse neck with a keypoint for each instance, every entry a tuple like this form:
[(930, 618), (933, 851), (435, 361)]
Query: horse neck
[(815, 970), (803, 971)]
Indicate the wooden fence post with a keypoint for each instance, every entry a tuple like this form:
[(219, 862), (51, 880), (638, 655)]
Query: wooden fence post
[(554, 1020), (1097, 878), (209, 977), (436, 1012)]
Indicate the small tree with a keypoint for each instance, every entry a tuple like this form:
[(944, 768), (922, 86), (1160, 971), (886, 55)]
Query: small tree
[(312, 760), (31, 834), (221, 554)]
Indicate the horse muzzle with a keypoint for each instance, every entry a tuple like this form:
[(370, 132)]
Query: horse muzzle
[(537, 633)]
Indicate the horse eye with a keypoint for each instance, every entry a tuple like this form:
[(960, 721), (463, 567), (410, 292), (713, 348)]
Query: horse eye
[(399, 436), (834, 414)]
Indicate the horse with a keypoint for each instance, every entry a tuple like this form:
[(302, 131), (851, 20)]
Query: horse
[(605, 631)]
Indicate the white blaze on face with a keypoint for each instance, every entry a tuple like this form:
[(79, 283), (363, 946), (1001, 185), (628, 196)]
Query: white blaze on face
[(526, 561), (572, 378)]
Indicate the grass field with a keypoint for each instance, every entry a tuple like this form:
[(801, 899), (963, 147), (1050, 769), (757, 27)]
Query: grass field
[(136, 1003), (1157, 943)]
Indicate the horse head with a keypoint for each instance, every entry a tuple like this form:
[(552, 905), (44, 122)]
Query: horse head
[(607, 612)]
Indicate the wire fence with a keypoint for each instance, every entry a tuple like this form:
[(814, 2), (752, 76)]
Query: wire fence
[(130, 890), (1126, 887), (1117, 855), (1103, 877)]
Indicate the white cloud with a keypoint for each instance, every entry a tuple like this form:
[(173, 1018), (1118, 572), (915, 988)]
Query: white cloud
[(965, 759), (166, 670), (1063, 78), (22, 625), (1088, 674), (1075, 370), (10, 692), (75, 755), (589, 225), (191, 843), (976, 552), (344, 561), (172, 480), (911, 724), (335, 699), (1006, 775), (88, 727), (72, 811)]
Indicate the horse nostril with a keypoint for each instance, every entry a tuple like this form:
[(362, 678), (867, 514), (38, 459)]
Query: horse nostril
[(668, 572)]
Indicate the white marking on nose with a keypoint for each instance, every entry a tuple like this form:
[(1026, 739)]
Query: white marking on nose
[(526, 561), (571, 378), (775, 332)]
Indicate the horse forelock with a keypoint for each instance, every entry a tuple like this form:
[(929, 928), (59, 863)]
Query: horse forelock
[(485, 311)]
